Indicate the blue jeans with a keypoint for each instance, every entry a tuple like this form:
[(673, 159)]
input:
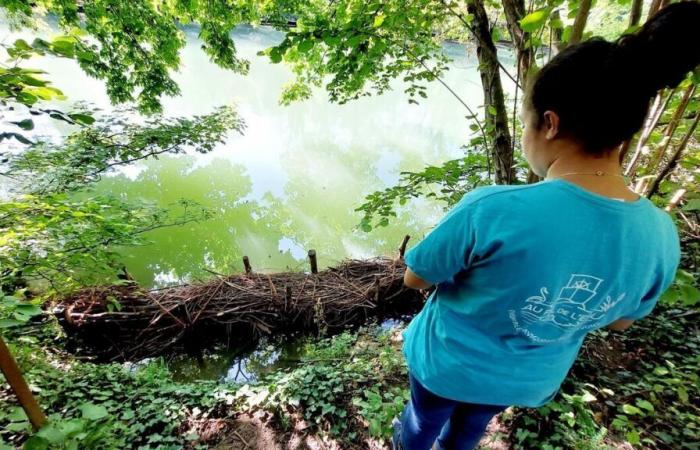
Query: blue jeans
[(455, 425)]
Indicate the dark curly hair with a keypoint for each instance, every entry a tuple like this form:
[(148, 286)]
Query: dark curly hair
[(601, 90)]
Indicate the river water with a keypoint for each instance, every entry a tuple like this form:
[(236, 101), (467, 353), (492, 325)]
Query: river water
[(292, 181)]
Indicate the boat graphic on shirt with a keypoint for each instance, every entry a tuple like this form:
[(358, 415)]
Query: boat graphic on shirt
[(578, 306)]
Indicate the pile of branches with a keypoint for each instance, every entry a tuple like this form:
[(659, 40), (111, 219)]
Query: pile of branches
[(125, 322)]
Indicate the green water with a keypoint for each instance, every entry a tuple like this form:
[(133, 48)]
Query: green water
[(290, 183), (293, 180)]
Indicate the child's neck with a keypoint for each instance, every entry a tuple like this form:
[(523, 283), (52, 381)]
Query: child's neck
[(599, 174)]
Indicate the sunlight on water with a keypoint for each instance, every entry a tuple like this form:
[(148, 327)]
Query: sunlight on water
[(293, 180)]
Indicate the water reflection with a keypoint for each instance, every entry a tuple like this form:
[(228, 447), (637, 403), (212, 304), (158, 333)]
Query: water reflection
[(249, 363), (293, 180), (239, 364)]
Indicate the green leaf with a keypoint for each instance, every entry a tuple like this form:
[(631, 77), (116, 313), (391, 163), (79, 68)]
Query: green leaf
[(21, 44), (661, 371), (588, 397), (378, 20), (72, 427), (633, 437), (92, 411), (644, 404), (355, 40), (36, 443), (81, 118), (26, 98), (306, 45), (17, 136), (10, 300), (28, 309), (631, 410), (63, 48), (9, 323), (275, 55), (18, 415), (26, 124), (690, 295), (492, 110), (52, 434), (331, 40), (534, 20)]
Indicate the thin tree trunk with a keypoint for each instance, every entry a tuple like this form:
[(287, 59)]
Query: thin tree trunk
[(584, 8), (676, 199), (636, 12), (624, 149), (557, 33), (673, 162), (650, 124), (494, 100), (13, 376), (515, 11), (655, 4), (671, 128)]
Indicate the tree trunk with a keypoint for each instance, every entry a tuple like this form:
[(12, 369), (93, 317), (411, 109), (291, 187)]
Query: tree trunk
[(675, 158), (584, 8), (655, 6), (496, 113), (655, 113), (515, 11), (557, 33), (670, 130), (636, 12)]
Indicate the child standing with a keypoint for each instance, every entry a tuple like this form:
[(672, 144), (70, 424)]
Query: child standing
[(523, 273)]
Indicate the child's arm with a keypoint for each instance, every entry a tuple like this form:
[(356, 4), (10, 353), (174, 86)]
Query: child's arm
[(413, 281)]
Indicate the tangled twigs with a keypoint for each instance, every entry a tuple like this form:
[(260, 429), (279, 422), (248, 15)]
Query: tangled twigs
[(127, 322)]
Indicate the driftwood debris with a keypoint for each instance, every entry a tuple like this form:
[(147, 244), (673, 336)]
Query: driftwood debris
[(125, 322)]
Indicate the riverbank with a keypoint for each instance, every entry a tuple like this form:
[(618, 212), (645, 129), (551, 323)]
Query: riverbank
[(628, 390)]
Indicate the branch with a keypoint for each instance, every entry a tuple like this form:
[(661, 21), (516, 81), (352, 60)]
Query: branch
[(635, 13), (471, 112), (584, 9), (650, 124), (476, 36), (673, 162)]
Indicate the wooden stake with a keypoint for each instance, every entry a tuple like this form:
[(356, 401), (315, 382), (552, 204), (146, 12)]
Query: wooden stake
[(19, 387), (246, 264), (312, 260), (287, 296), (377, 287), (676, 199), (402, 249)]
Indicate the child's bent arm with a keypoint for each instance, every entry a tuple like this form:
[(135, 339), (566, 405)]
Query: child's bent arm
[(621, 324), (413, 281)]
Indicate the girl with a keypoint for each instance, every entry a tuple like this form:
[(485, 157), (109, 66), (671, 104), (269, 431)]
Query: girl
[(523, 273)]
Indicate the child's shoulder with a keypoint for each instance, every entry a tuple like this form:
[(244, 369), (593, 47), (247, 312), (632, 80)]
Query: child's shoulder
[(497, 193)]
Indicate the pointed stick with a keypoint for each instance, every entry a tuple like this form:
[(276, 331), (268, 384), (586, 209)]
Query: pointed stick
[(14, 378)]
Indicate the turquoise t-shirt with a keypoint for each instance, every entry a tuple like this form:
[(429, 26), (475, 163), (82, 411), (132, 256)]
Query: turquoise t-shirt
[(523, 273)]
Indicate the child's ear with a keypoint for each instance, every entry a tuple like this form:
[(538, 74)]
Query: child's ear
[(551, 124)]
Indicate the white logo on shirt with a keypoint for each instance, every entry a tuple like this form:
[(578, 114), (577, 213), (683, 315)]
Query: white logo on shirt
[(573, 309)]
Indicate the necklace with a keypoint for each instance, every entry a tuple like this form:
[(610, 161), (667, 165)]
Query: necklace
[(597, 173)]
